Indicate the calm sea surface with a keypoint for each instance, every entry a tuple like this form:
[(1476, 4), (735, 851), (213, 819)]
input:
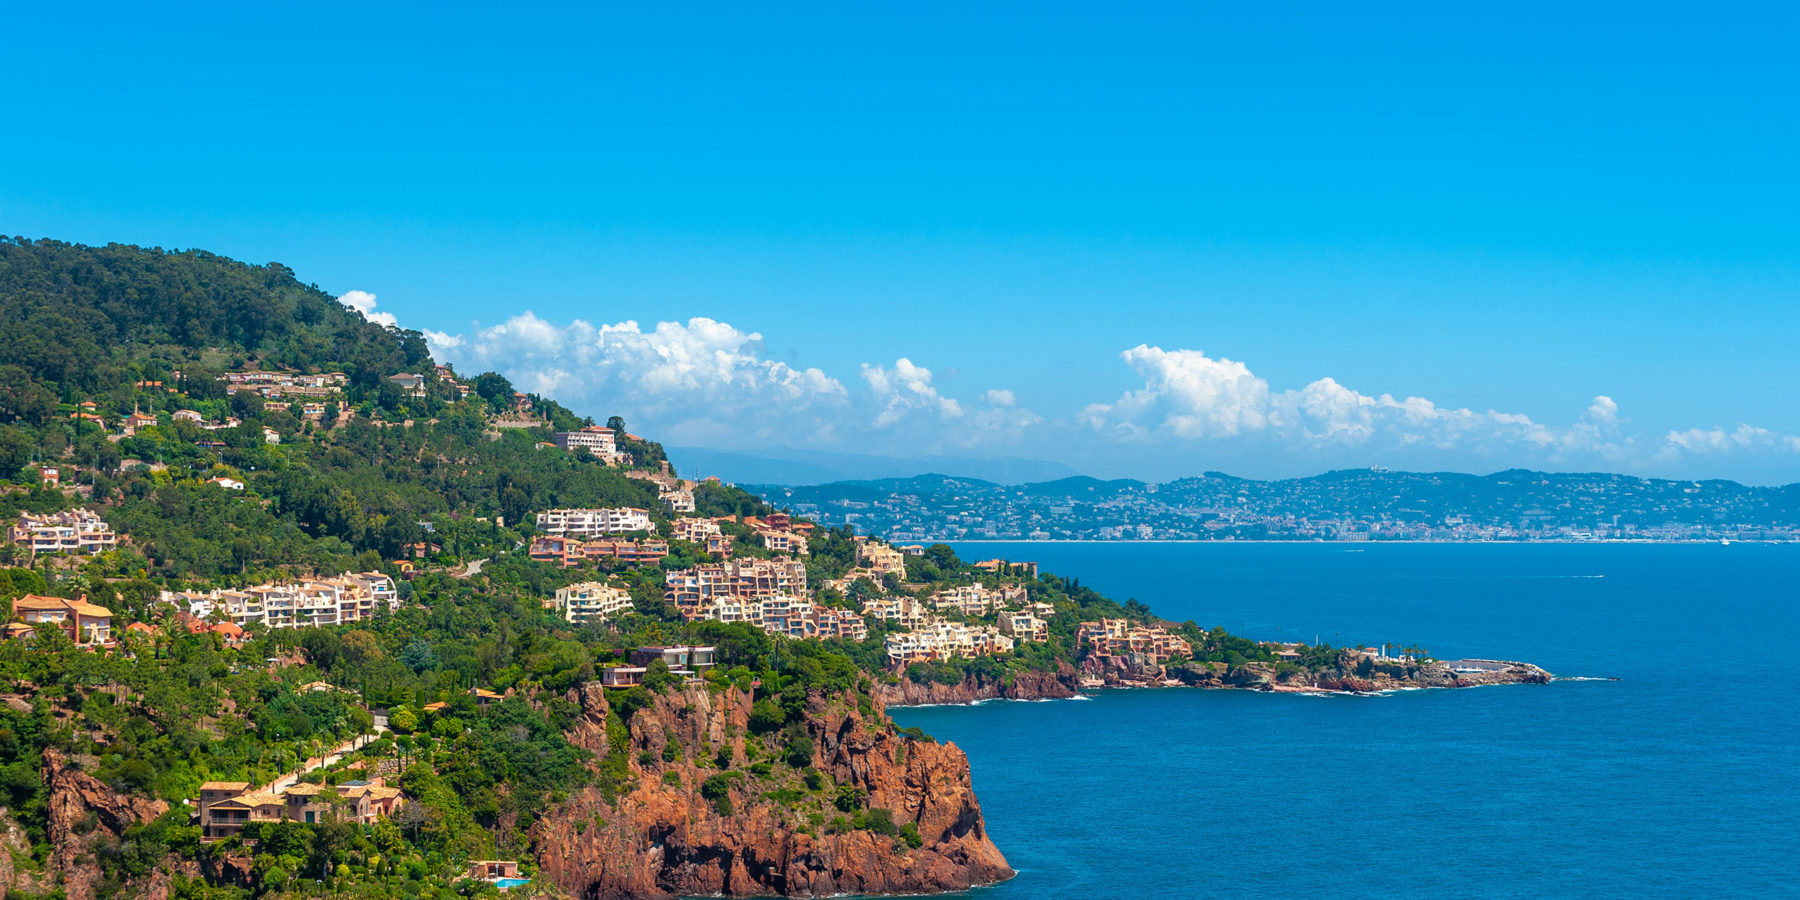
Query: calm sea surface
[(1682, 779)]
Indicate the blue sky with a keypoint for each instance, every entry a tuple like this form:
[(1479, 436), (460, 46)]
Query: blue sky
[(1145, 242)]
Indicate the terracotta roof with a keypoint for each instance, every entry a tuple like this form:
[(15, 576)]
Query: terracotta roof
[(79, 607), (225, 785)]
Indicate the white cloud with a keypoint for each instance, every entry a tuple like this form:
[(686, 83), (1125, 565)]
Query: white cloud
[(708, 383), (705, 382), (903, 390), (1603, 411), (1717, 440), (364, 302), (1189, 397)]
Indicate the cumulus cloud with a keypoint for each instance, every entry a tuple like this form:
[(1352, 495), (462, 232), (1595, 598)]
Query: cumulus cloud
[(904, 390), (1717, 440), (364, 302), (1188, 396), (710, 383)]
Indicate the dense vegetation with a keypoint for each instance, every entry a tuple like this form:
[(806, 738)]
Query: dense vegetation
[(418, 486)]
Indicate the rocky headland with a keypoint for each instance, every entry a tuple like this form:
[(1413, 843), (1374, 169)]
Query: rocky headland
[(686, 827)]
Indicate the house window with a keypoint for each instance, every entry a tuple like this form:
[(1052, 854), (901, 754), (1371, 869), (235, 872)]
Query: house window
[(311, 817)]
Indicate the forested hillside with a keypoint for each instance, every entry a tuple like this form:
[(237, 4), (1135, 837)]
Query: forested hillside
[(189, 406), (97, 319)]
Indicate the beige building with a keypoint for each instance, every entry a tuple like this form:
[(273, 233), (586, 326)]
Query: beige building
[(944, 640), (1024, 626), (590, 601), (880, 558), (227, 806), (1118, 637), (87, 624), (691, 590)]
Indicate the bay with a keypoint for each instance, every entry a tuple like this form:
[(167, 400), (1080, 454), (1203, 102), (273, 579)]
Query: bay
[(1680, 779)]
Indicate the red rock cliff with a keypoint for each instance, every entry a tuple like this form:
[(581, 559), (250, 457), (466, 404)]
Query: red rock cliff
[(1058, 685), (74, 797), (663, 838)]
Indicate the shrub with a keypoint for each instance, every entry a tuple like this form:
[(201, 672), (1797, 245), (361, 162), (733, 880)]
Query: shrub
[(717, 788)]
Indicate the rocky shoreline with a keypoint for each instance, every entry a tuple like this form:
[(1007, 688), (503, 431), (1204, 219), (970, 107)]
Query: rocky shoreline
[(1351, 675)]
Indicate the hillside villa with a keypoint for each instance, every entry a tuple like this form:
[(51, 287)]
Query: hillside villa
[(87, 624)]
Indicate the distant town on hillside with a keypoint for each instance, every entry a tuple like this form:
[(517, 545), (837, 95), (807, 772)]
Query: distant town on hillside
[(1348, 505)]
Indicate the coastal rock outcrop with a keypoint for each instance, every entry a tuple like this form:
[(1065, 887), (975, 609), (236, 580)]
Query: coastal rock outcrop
[(1353, 672), (83, 811), (1058, 685), (682, 825)]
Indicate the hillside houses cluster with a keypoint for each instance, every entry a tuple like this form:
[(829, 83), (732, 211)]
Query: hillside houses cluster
[(226, 807), (283, 384), (694, 591), (340, 600), (75, 531), (977, 599), (1119, 637), (943, 640)]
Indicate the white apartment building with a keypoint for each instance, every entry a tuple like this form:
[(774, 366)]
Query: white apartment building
[(594, 522), (590, 601), (328, 601), (74, 531), (594, 440)]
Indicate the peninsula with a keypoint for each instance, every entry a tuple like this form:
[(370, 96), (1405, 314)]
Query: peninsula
[(293, 610)]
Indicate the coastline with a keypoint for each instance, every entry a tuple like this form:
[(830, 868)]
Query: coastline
[(1634, 541), (1258, 678)]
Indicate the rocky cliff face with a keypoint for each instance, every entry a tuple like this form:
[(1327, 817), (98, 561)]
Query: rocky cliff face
[(1058, 685), (663, 837), (84, 812)]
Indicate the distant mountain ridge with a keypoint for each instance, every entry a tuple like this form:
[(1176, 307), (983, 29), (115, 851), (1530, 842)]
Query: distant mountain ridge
[(1344, 504)]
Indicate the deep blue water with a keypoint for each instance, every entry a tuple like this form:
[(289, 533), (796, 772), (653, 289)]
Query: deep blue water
[(1682, 779)]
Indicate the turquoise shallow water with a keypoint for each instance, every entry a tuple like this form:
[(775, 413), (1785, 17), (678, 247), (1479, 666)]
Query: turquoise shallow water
[(1682, 779)]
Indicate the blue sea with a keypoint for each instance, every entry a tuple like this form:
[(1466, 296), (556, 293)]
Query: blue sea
[(1680, 779)]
